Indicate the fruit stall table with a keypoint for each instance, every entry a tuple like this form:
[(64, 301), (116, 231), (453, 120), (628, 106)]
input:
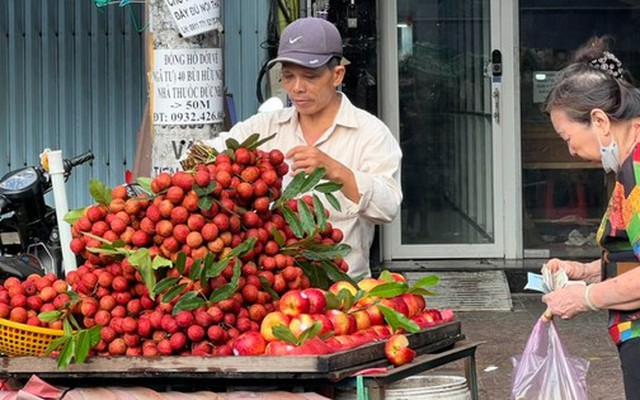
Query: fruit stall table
[(435, 346)]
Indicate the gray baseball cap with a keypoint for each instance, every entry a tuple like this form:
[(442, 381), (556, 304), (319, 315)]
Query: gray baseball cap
[(309, 42)]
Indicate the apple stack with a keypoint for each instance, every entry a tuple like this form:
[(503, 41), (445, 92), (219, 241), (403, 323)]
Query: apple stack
[(347, 316)]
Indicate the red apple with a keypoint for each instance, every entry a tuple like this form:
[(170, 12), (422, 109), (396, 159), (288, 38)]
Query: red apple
[(336, 287), (363, 321), (249, 344), (327, 325), (293, 303), (375, 316), (367, 284), (300, 323), (397, 304), (381, 331), (270, 320), (343, 324), (397, 277), (317, 301), (279, 348), (415, 303), (398, 351), (447, 315)]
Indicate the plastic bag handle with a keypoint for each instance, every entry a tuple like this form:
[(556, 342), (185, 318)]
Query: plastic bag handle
[(547, 315)]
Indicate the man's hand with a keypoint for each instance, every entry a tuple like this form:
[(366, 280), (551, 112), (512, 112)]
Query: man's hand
[(308, 158)]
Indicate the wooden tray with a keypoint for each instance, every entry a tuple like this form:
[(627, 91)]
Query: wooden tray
[(323, 366)]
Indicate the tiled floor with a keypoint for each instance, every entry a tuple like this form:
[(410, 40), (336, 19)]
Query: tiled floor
[(505, 334)]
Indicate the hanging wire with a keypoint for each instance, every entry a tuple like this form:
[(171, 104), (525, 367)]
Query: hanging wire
[(124, 3)]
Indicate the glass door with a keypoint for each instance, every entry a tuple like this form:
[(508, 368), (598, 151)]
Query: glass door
[(449, 97), (564, 197)]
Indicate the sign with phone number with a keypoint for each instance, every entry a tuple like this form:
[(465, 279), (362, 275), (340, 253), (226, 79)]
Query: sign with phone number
[(188, 86)]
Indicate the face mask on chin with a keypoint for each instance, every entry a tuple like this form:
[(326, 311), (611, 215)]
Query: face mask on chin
[(609, 156)]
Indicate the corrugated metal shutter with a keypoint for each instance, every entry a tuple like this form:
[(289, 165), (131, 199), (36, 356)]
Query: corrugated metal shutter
[(245, 30), (71, 78)]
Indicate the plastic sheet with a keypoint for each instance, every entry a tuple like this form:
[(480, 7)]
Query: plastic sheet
[(545, 370)]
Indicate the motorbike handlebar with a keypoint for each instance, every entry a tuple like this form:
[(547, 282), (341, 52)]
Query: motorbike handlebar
[(75, 161)]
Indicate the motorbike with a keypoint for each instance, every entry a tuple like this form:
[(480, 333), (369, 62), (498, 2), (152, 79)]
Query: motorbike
[(29, 233)]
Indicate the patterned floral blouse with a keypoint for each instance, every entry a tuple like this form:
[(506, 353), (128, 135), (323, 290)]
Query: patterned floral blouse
[(619, 236)]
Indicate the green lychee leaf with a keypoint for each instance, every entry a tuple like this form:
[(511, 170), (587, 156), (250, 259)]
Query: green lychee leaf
[(312, 179), (56, 343), (319, 252), (422, 292), (266, 286), (250, 141), (386, 276), (227, 290), (141, 261), (347, 300), (277, 236), (317, 276), (293, 188), (83, 346), (173, 293), (283, 333), (215, 268), (74, 215), (223, 292), (100, 192), (196, 270), (389, 289), (205, 202), (145, 183), (306, 218), (188, 301), (50, 316), (161, 262), (396, 320), (333, 303), (335, 274), (181, 262), (310, 332), (293, 221), (429, 280), (328, 187), (67, 353), (263, 141), (333, 201), (232, 144), (243, 248), (319, 210), (165, 284), (66, 327)]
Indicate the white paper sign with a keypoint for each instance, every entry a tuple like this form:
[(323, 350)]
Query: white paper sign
[(195, 16), (188, 87), (542, 84)]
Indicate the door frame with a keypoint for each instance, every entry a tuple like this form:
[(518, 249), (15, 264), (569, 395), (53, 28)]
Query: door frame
[(506, 140)]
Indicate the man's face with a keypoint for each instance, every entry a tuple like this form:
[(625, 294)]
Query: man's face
[(311, 90)]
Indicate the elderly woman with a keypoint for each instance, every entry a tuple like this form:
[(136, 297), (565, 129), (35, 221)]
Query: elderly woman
[(595, 108)]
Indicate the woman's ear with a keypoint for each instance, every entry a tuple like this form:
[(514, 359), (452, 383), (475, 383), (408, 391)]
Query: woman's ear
[(600, 121)]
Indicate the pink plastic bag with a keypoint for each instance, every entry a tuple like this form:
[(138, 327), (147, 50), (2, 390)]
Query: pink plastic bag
[(545, 370)]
